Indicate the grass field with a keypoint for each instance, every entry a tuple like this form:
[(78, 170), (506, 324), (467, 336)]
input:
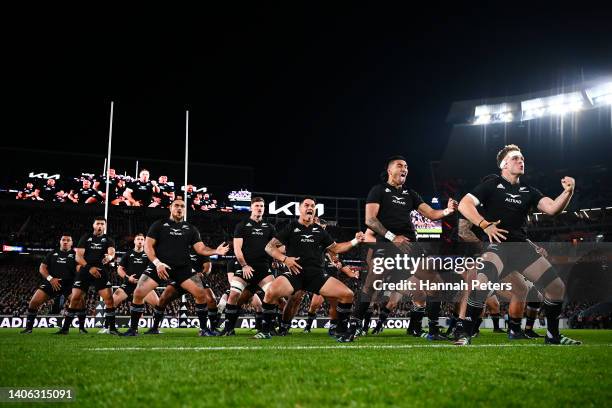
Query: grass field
[(303, 370)]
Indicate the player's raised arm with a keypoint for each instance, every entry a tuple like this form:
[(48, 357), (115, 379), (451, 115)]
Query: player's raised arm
[(553, 207), (338, 248), (425, 210)]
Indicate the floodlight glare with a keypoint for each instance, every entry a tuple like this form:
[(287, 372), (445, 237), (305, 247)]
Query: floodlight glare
[(552, 105), (501, 113), (600, 94)]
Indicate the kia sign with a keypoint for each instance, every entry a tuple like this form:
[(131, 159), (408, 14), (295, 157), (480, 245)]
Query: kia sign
[(294, 205)]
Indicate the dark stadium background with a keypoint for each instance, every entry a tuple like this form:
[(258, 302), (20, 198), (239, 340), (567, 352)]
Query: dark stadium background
[(313, 97)]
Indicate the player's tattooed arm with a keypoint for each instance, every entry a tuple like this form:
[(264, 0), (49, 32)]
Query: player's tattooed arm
[(371, 213), (273, 249), (465, 231)]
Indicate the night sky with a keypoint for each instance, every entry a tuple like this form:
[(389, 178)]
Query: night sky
[(313, 98)]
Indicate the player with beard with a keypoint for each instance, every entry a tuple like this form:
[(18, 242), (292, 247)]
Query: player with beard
[(59, 270), (332, 266), (140, 192), (94, 252), (388, 208), (253, 263), (506, 202), (167, 246), (305, 243)]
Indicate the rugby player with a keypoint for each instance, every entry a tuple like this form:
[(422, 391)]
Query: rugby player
[(305, 244), (502, 221), (253, 263), (167, 246), (58, 269), (94, 252), (387, 213)]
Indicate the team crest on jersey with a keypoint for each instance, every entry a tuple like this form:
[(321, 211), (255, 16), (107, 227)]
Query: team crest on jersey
[(307, 238), (523, 190), (398, 200), (513, 198)]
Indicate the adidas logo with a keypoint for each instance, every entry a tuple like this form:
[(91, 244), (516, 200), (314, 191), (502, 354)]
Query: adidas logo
[(248, 224), (296, 230), (500, 185), (387, 190), (108, 282), (166, 224)]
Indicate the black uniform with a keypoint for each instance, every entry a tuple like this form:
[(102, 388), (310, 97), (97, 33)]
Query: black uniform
[(142, 192), (134, 263), (396, 204), (309, 244), (164, 199), (86, 193), (47, 192), (174, 241), (255, 236), (197, 264), (112, 187), (510, 204), (27, 191), (61, 265), (95, 250)]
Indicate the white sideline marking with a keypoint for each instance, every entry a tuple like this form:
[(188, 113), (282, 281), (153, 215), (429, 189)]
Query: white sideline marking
[(322, 347)]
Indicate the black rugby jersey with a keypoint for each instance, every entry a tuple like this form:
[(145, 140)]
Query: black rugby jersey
[(174, 240), (508, 203), (61, 264), (307, 243), (255, 236), (396, 204)]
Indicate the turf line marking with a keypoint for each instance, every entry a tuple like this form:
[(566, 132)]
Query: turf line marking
[(325, 347)]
